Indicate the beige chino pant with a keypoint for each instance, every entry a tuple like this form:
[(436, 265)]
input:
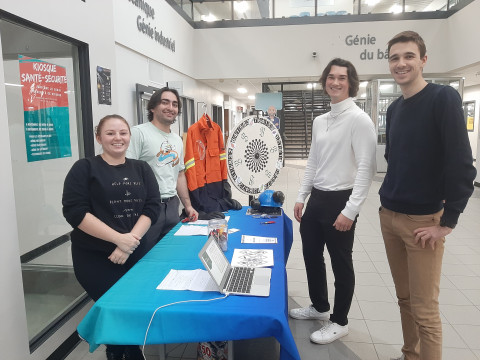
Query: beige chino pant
[(416, 274)]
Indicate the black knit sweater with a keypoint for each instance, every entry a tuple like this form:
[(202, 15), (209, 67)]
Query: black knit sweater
[(429, 155)]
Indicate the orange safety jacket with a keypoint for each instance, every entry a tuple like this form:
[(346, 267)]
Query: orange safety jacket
[(206, 165)]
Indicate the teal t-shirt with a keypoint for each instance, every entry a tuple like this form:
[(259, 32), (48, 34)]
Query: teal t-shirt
[(162, 151)]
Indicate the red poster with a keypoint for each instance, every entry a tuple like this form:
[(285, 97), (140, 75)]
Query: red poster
[(45, 106), (44, 84)]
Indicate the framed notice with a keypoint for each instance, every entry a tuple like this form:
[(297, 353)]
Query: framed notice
[(45, 107), (469, 112)]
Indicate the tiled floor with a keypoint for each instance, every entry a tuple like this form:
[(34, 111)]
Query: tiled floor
[(374, 322)]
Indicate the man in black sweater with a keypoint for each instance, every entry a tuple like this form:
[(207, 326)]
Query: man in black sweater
[(428, 182)]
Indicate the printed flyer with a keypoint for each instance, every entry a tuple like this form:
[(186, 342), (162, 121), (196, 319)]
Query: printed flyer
[(45, 106)]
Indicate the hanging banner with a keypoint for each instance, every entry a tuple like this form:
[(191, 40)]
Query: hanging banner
[(45, 107), (104, 85)]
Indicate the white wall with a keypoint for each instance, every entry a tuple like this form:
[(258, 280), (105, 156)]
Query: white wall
[(74, 19), (460, 36), (451, 44), (167, 21), (140, 59), (290, 48), (12, 306), (135, 68)]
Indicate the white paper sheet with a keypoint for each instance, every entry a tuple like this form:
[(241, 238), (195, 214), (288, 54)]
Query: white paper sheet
[(204, 222), (188, 230), (250, 239), (194, 280), (252, 257)]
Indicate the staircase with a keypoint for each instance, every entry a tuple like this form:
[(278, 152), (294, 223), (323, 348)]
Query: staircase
[(300, 108)]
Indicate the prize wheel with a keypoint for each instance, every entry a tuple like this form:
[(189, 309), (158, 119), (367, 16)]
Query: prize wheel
[(254, 155)]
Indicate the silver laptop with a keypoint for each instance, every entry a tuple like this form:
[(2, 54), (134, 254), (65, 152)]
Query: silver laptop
[(234, 280)]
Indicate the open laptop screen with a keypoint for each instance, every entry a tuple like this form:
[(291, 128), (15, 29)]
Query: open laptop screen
[(216, 262)]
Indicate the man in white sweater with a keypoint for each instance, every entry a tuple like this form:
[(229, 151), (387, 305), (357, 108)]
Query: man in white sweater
[(338, 175)]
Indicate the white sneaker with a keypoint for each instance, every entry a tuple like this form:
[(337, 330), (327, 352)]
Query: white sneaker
[(328, 333), (308, 313)]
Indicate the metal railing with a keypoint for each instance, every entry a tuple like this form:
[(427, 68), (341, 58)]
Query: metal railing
[(227, 10)]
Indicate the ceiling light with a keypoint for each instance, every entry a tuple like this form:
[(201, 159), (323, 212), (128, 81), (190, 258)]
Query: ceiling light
[(396, 9), (251, 97), (242, 90), (209, 18), (9, 84), (386, 87), (240, 6), (311, 85)]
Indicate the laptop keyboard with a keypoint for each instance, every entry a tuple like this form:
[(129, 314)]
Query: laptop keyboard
[(240, 280)]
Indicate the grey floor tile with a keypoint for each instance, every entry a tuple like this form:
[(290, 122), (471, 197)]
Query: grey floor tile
[(357, 332), (363, 351), (385, 332), (445, 283), (80, 350), (374, 247), (470, 259), (360, 256), (470, 334), (388, 280), (296, 288), (455, 353), (456, 269), (175, 350), (378, 255), (451, 337), (311, 351), (465, 282), (373, 293), (366, 239), (380, 310), (387, 352), (477, 353), (382, 267), (368, 278), (301, 301), (364, 266), (475, 268), (461, 314), (453, 297), (299, 275), (355, 312), (473, 296)]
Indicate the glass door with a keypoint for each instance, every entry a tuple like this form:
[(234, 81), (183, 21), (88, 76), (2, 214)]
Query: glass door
[(48, 133)]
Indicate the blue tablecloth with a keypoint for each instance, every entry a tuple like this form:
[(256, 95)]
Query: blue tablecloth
[(122, 315)]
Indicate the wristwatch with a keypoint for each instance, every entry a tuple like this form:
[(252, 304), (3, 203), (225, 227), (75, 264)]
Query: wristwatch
[(445, 222)]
